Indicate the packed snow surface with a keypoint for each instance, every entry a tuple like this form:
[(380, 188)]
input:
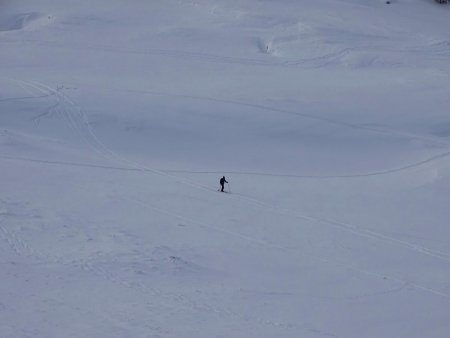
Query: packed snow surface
[(330, 120)]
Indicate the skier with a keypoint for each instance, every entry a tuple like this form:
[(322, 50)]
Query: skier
[(222, 182)]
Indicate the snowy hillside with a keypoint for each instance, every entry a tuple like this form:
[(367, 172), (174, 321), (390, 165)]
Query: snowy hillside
[(330, 120)]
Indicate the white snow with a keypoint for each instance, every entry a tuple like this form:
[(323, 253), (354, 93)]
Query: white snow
[(330, 119)]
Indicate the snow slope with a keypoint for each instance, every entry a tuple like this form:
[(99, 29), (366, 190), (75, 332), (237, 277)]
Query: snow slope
[(329, 119)]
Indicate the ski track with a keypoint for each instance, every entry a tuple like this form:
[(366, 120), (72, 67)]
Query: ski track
[(21, 98), (231, 172), (267, 244), (69, 106), (61, 108), (99, 147), (84, 128), (266, 59), (312, 62), (286, 212), (401, 134), (354, 229), (411, 136), (375, 173)]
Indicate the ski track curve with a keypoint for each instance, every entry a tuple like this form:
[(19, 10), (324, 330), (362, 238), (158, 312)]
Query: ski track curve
[(401, 134), (438, 142), (78, 118), (369, 174), (230, 172), (60, 107)]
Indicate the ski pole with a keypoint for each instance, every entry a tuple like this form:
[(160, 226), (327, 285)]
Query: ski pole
[(229, 189)]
